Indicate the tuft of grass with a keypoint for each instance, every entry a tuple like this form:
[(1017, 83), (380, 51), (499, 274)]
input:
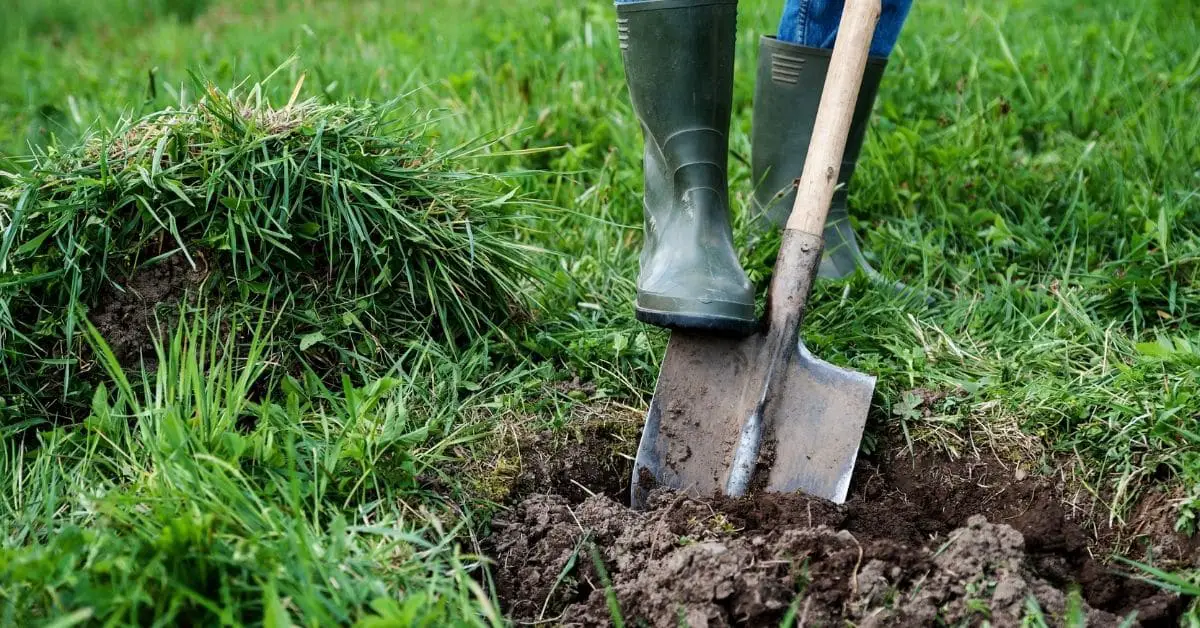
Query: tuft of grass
[(610, 595), (342, 214), (180, 499)]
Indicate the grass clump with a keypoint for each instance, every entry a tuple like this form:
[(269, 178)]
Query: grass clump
[(179, 500), (342, 215)]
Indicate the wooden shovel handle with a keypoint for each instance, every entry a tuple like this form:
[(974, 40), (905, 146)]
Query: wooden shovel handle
[(821, 167)]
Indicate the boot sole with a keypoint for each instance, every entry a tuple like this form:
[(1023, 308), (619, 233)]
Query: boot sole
[(716, 325)]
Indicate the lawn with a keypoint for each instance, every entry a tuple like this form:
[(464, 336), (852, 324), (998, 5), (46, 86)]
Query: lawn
[(391, 249)]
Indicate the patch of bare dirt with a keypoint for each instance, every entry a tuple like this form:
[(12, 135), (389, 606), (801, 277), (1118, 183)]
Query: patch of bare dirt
[(1151, 532), (682, 560), (922, 539), (588, 461), (126, 317), (923, 496)]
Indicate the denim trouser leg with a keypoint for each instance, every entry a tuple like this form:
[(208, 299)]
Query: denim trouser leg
[(814, 23)]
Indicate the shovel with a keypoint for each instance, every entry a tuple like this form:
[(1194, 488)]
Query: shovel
[(737, 415)]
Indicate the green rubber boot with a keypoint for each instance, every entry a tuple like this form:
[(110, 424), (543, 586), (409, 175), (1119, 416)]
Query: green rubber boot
[(786, 94), (678, 58)]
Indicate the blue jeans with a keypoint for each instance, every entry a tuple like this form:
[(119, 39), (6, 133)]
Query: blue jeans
[(814, 23)]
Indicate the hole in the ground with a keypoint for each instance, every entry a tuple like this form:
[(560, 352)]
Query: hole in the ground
[(922, 538)]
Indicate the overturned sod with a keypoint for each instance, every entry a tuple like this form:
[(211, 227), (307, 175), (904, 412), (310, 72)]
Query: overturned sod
[(342, 218)]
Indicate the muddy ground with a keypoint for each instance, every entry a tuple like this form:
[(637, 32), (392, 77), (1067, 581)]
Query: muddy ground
[(922, 540)]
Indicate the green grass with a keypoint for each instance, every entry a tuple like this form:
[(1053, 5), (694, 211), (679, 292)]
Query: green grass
[(1033, 161), (341, 215), (28, 21), (179, 499)]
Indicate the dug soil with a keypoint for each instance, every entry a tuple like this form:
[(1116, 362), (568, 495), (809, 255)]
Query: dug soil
[(132, 317), (922, 540)]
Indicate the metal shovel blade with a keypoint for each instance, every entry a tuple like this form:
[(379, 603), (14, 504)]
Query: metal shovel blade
[(816, 426), (691, 428), (707, 386)]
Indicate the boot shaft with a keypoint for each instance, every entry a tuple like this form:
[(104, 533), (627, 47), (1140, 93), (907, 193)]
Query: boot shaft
[(787, 93), (678, 57)]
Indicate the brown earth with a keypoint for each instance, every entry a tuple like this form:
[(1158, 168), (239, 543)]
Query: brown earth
[(921, 539), (126, 317), (588, 462)]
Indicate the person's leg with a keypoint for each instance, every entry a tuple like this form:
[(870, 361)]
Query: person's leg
[(791, 75), (678, 59), (814, 23)]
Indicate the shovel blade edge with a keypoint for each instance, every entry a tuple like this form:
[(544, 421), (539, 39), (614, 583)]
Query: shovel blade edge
[(815, 427)]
